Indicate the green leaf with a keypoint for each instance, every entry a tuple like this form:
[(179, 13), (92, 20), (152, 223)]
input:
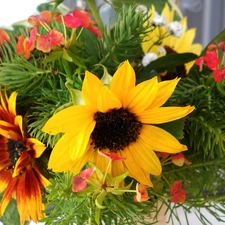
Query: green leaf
[(53, 56), (170, 61)]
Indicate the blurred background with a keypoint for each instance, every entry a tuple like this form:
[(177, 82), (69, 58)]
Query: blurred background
[(206, 15)]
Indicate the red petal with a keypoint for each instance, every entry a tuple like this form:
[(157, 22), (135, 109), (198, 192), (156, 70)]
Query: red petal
[(71, 22), (8, 194), (43, 43), (85, 174), (176, 186), (83, 17), (179, 197), (78, 184), (111, 156), (142, 193), (33, 196), (45, 16), (55, 37)]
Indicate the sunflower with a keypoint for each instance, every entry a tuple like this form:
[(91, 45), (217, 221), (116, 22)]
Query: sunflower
[(117, 119), (160, 39), (20, 176)]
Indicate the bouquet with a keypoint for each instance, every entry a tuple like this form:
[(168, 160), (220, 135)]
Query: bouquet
[(110, 124)]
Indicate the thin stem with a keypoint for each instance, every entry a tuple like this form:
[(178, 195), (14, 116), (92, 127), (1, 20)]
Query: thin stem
[(93, 8), (107, 169)]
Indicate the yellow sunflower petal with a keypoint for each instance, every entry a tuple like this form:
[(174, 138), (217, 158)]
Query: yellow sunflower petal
[(118, 168), (90, 90), (77, 165), (142, 95), (79, 144), (149, 161), (168, 13), (71, 119), (135, 169), (164, 114), (60, 153), (165, 90), (123, 81), (160, 140), (107, 100)]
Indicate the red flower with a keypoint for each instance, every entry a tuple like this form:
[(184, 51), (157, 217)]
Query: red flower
[(25, 45), (76, 19), (177, 194), (200, 62), (3, 36), (218, 74), (79, 18), (44, 17), (142, 193), (46, 42), (211, 59)]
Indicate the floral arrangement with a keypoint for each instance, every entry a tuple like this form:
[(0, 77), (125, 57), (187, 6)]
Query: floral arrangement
[(110, 125)]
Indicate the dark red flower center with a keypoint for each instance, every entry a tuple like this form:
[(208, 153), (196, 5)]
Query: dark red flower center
[(115, 129), (15, 149)]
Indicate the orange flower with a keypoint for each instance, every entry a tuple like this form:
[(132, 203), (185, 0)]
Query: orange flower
[(142, 193), (3, 36), (26, 45), (20, 176)]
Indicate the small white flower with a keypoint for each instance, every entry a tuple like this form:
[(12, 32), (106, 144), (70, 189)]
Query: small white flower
[(148, 57), (175, 28), (159, 20), (141, 8)]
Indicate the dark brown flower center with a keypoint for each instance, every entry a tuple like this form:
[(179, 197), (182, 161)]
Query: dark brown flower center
[(15, 149), (115, 130), (179, 71)]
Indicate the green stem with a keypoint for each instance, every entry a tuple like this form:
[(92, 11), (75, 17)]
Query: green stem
[(92, 6), (90, 213)]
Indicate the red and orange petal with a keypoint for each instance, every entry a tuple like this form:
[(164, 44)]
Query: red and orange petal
[(176, 186), (179, 197), (43, 43), (44, 17), (4, 37), (55, 37), (141, 193)]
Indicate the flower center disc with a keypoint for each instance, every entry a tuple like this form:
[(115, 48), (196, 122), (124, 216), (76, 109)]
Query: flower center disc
[(115, 130), (15, 148)]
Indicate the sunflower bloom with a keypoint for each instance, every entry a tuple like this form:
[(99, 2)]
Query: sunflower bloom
[(117, 119), (20, 177), (171, 43)]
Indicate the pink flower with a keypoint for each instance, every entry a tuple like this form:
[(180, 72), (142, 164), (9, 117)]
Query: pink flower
[(177, 194), (200, 62), (46, 42), (179, 159), (141, 193), (79, 182)]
